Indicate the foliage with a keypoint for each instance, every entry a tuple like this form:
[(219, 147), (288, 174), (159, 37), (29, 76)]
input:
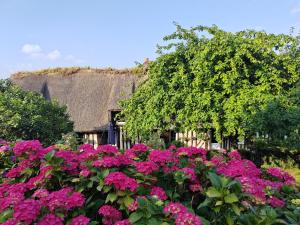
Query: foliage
[(155, 141), (70, 139), (27, 115), (278, 123), (209, 78), (140, 186)]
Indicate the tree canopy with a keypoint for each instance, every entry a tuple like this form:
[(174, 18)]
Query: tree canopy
[(206, 78), (27, 115)]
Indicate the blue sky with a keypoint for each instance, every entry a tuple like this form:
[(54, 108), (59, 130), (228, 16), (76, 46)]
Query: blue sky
[(39, 34)]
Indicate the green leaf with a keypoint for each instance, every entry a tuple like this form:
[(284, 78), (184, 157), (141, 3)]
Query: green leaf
[(111, 197), (215, 180), (219, 203), (213, 193), (6, 215), (99, 187), (142, 202), (206, 202), (154, 221), (231, 198), (229, 220), (236, 209), (49, 155), (128, 201), (90, 184), (134, 217)]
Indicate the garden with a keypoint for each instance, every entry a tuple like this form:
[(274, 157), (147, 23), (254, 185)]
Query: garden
[(244, 86), (186, 185)]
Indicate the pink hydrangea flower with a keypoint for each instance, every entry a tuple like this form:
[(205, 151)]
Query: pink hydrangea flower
[(110, 214), (190, 173), (276, 202), (107, 149), (159, 193), (254, 186), (27, 147), (161, 156), (50, 219), (140, 148), (86, 147), (281, 175), (235, 155), (146, 167), (71, 162), (112, 161), (65, 198), (191, 151), (121, 181), (236, 168), (85, 173), (217, 160), (123, 222), (133, 206), (195, 187), (27, 211), (174, 208), (80, 220), (129, 153), (187, 218), (40, 193), (15, 172)]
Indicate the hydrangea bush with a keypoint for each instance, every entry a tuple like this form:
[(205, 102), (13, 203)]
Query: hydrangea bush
[(186, 185)]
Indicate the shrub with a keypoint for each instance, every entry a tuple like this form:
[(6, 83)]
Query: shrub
[(141, 186), (27, 115)]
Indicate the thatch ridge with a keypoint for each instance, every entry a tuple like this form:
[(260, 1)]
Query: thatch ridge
[(72, 70)]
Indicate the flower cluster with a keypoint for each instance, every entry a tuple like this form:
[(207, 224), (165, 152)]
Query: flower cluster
[(146, 167), (65, 198), (159, 193), (50, 185), (281, 175), (110, 214), (161, 156), (121, 181), (27, 147), (181, 214)]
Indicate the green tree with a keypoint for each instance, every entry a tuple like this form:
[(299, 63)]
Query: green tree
[(27, 115), (207, 78), (278, 127)]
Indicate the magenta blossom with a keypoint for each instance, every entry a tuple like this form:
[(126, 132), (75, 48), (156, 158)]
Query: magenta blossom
[(121, 181), (110, 214), (146, 167), (27, 211), (187, 218), (174, 208), (276, 202), (161, 156), (159, 193), (50, 219), (80, 220)]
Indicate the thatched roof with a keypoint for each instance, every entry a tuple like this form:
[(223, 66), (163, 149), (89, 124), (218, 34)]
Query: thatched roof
[(88, 93)]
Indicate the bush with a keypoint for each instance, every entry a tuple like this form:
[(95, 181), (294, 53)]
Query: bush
[(140, 186), (27, 115)]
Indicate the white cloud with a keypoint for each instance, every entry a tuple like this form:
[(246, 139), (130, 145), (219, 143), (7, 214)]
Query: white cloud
[(54, 55), (35, 51), (295, 9), (31, 49)]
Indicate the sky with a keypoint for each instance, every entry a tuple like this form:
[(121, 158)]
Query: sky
[(37, 34)]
